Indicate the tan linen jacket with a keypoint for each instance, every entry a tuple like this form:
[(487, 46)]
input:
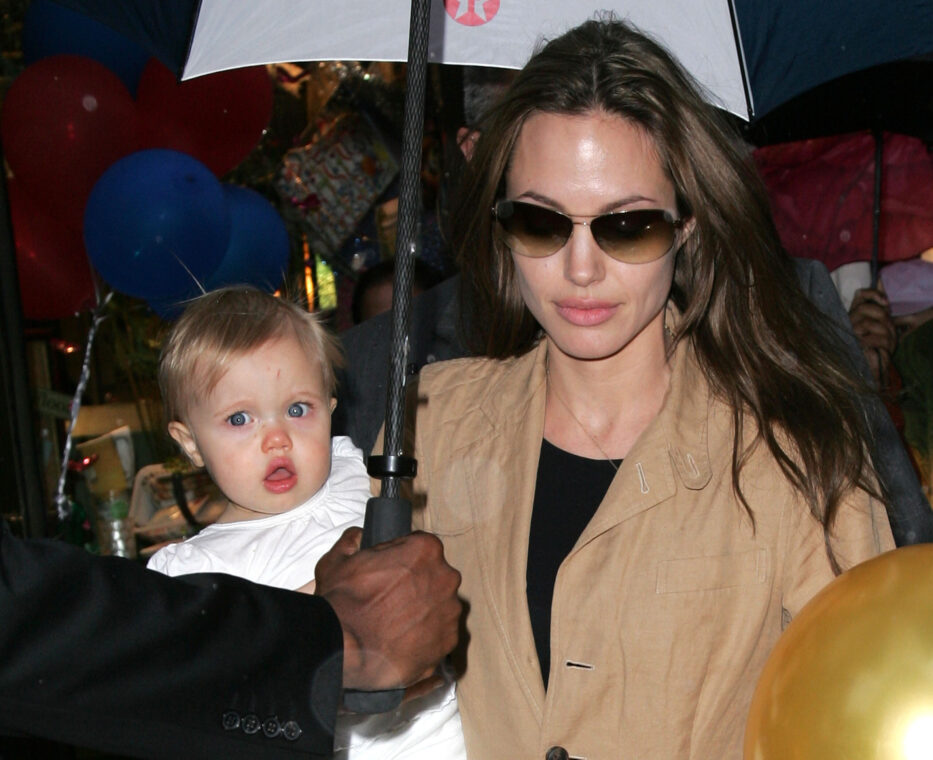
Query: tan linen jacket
[(668, 605)]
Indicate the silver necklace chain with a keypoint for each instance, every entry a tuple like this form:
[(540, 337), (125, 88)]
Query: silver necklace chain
[(547, 373)]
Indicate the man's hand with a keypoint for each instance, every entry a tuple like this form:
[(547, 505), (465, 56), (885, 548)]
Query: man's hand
[(398, 606), (871, 321)]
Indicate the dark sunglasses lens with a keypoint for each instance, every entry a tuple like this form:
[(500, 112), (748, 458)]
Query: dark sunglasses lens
[(635, 237), (532, 230)]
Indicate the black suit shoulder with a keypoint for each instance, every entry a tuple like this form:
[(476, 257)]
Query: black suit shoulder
[(102, 653)]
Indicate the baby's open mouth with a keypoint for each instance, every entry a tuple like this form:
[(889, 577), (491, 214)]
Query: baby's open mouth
[(280, 475)]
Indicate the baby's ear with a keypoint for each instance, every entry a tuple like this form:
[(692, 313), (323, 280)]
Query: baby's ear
[(333, 404), (183, 437)]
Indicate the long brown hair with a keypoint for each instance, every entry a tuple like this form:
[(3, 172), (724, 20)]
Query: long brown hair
[(766, 349)]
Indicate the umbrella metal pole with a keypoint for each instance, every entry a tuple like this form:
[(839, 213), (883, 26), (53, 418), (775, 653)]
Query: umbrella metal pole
[(408, 237), (876, 209), (388, 516)]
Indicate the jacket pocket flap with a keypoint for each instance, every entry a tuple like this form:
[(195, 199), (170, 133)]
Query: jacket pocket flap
[(709, 573)]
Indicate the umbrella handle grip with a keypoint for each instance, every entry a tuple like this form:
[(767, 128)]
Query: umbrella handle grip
[(386, 518), (370, 702)]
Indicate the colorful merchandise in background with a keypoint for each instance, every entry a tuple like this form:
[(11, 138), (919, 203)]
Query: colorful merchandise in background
[(168, 188)]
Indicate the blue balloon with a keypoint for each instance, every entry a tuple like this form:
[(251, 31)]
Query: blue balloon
[(259, 246), (257, 253), (156, 221), (51, 29), (170, 309)]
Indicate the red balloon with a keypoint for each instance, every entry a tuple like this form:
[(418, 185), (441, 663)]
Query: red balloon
[(65, 119), (217, 118), (54, 271)]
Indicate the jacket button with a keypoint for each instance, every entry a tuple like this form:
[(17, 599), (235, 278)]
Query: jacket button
[(271, 727), (231, 720), (291, 730), (251, 724), (556, 753)]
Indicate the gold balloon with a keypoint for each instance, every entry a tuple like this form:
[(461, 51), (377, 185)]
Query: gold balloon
[(852, 676)]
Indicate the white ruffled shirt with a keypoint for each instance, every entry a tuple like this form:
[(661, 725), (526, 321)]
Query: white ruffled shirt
[(282, 550), (279, 550)]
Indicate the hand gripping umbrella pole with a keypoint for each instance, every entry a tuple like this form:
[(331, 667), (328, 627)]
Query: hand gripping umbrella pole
[(388, 515)]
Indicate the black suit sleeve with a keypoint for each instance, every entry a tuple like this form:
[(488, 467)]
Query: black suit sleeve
[(100, 652)]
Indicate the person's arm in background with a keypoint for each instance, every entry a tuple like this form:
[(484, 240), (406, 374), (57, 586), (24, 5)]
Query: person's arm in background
[(910, 514), (870, 317), (100, 652)]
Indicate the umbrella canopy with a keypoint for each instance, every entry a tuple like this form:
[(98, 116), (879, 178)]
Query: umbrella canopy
[(751, 55), (892, 97), (823, 193), (820, 189), (491, 32)]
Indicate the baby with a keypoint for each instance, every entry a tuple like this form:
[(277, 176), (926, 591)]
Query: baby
[(248, 385)]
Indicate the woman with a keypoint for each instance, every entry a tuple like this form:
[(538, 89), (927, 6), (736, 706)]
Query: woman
[(659, 460)]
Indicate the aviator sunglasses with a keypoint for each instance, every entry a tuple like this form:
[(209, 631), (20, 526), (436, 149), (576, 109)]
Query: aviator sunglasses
[(634, 237)]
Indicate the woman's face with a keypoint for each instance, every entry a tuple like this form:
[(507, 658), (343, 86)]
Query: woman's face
[(590, 305)]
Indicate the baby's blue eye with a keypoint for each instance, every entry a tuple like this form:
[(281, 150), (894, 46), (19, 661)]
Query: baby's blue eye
[(299, 409), (238, 418)]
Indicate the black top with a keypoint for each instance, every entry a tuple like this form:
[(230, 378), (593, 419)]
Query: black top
[(569, 489)]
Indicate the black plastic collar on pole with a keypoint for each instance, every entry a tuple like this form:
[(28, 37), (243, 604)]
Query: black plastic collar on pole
[(392, 466)]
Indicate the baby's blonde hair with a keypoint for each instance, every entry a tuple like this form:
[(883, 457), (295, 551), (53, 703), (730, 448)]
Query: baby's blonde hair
[(219, 327)]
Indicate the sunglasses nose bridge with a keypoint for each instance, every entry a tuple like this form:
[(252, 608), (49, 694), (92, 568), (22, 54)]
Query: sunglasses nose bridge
[(588, 223), (583, 258), (581, 223)]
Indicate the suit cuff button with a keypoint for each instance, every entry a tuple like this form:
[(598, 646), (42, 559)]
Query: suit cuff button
[(271, 727), (251, 724), (231, 720), (291, 730)]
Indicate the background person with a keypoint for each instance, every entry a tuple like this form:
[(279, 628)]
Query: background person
[(909, 288), (660, 457), (890, 324), (372, 293), (913, 360)]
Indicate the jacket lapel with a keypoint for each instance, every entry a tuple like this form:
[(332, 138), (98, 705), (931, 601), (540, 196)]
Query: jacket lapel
[(500, 465), (502, 485), (672, 452)]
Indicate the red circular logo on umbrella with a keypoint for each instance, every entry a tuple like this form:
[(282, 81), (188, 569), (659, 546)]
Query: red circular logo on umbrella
[(472, 12)]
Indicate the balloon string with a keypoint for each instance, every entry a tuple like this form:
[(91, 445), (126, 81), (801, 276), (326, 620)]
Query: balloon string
[(61, 502), (190, 273)]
